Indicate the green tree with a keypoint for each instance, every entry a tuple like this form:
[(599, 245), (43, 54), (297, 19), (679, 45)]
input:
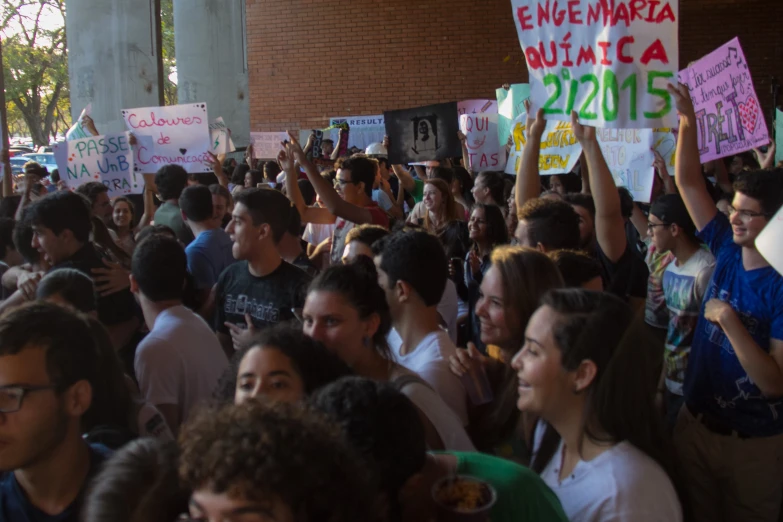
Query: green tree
[(167, 51), (35, 64)]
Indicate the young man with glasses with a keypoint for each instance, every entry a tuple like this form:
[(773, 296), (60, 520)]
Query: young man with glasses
[(48, 364), (729, 435), (348, 203), (683, 284)]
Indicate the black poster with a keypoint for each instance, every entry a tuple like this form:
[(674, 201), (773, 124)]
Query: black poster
[(423, 134)]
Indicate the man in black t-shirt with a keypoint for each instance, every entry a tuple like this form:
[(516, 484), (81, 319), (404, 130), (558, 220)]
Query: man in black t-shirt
[(261, 290)]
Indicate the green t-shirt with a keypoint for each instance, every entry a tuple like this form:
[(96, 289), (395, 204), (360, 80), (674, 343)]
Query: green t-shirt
[(170, 215), (418, 190), (522, 495)]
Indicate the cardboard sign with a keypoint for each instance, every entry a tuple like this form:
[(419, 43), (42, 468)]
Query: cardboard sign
[(106, 158), (769, 244), (142, 152), (778, 136), (180, 134), (364, 130), (728, 113), (628, 153), (477, 107), (608, 61), (559, 148), (423, 133), (266, 145), (221, 137), (481, 131), (76, 131), (665, 142), (511, 103)]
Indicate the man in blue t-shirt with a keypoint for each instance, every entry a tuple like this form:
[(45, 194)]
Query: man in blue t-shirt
[(48, 360), (729, 435)]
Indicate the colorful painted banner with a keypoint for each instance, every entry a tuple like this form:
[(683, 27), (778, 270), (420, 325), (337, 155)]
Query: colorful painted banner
[(106, 158), (559, 149), (423, 133), (364, 130), (511, 103), (481, 131), (180, 134), (769, 244), (477, 107), (266, 145), (608, 61), (778, 136), (728, 112), (221, 137), (628, 152)]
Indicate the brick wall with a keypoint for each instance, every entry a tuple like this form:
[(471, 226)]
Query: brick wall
[(312, 59)]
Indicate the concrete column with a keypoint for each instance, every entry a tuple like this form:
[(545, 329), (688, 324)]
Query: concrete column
[(112, 58), (209, 38)]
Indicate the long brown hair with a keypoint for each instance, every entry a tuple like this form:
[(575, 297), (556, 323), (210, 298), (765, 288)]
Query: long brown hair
[(526, 275), (448, 210)]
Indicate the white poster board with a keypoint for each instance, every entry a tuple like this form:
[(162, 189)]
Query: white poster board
[(628, 152), (221, 137), (266, 145), (364, 130), (481, 131), (107, 159), (180, 134), (770, 242)]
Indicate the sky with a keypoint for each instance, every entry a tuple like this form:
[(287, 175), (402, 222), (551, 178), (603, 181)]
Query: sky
[(50, 19)]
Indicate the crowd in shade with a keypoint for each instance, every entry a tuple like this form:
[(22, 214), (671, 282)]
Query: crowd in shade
[(335, 338)]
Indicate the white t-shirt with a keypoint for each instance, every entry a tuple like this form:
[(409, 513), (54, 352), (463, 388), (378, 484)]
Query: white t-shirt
[(316, 234), (180, 361), (445, 421), (620, 485), (430, 360)]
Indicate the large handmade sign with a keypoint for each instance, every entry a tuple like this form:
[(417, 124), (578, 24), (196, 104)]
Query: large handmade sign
[(728, 112), (629, 155), (107, 159), (481, 133), (221, 137), (559, 148), (267, 145), (511, 103), (364, 130), (665, 143), (477, 107), (180, 134), (609, 61), (423, 133)]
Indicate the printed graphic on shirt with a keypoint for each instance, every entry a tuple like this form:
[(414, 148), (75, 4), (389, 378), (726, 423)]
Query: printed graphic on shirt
[(260, 311)]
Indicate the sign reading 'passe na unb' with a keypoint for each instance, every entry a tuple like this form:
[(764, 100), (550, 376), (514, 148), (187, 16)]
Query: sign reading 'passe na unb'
[(608, 60)]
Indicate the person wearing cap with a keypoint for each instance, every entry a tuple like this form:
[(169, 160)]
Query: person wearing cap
[(685, 281)]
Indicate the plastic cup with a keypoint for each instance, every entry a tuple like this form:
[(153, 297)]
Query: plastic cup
[(447, 497)]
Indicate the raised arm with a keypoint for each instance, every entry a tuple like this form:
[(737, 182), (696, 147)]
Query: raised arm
[(149, 207), (609, 222), (528, 183), (307, 214), (465, 154), (331, 199), (687, 165), (663, 173)]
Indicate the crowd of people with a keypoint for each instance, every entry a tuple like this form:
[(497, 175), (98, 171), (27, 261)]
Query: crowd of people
[(328, 338)]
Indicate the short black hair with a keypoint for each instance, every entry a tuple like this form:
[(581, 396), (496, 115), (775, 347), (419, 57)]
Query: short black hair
[(267, 206), (764, 185), (626, 202), (196, 203), (203, 178), (6, 235), (155, 230), (71, 352), (362, 170), (552, 223), (316, 365), (366, 234), (55, 175), (91, 190), (382, 424), (444, 173), (581, 200), (219, 190), (417, 258), (576, 267), (495, 183), (271, 170), (60, 211), (9, 205), (33, 167), (171, 180), (23, 239), (159, 266), (238, 176), (75, 287), (256, 175)]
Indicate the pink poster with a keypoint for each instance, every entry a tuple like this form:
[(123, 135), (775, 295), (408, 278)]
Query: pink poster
[(477, 107), (728, 112)]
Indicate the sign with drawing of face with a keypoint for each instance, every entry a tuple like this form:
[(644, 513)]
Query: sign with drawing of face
[(423, 134)]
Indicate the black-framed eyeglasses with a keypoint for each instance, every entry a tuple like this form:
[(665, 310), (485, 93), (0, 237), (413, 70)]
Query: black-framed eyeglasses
[(11, 397), (745, 215), (651, 226)]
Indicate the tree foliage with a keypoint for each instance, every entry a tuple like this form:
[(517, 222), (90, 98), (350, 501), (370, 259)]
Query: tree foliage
[(35, 65), (167, 50)]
